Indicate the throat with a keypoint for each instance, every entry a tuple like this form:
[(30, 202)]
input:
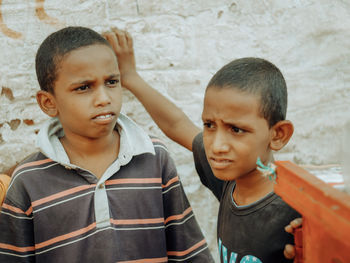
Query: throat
[(95, 156), (246, 195)]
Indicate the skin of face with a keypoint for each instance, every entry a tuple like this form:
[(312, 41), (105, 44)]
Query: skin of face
[(87, 95), (235, 134)]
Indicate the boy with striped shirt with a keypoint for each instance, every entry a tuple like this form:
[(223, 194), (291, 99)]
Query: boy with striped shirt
[(100, 189)]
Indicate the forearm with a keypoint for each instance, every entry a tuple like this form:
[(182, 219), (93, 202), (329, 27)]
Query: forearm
[(169, 118)]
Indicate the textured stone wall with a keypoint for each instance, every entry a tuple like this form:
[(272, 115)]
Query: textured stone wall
[(179, 45)]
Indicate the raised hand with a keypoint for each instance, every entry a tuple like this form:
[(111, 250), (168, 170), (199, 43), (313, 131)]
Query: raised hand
[(122, 44)]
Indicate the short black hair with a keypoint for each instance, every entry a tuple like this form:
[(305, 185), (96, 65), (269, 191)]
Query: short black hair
[(257, 76), (53, 49)]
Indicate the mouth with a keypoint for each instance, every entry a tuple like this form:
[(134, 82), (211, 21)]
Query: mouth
[(219, 163), (104, 118)]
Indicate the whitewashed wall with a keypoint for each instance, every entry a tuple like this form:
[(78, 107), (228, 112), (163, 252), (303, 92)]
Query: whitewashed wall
[(179, 45)]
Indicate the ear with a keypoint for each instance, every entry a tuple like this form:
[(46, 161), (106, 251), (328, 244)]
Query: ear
[(282, 131), (47, 103)]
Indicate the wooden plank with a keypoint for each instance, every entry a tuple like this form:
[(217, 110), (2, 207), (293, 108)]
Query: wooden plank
[(325, 211)]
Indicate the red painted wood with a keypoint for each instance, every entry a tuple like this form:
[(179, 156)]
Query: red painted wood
[(325, 211)]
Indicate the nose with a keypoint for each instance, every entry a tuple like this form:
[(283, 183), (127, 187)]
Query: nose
[(220, 142), (102, 96)]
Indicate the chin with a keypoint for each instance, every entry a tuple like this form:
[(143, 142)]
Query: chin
[(225, 176)]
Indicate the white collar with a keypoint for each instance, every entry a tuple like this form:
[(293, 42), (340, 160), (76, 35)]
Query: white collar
[(133, 140)]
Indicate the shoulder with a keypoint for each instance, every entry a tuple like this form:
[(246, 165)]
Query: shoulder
[(161, 149), (198, 150), (31, 165), (197, 144), (159, 145), (283, 210), (22, 180), (164, 161), (32, 162)]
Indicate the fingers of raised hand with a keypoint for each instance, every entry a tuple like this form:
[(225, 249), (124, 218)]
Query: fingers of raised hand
[(289, 229), (289, 251), (129, 39), (296, 222), (113, 40), (120, 40), (293, 225), (124, 38)]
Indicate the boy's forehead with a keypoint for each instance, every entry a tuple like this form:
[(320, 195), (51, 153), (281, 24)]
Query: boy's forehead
[(233, 91), (86, 63), (63, 55), (61, 58), (231, 102)]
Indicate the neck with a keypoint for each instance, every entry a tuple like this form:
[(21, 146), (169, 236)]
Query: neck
[(251, 188), (89, 146), (94, 155)]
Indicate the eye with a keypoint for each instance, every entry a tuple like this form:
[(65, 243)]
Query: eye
[(112, 82), (208, 125), (236, 129), (82, 88)]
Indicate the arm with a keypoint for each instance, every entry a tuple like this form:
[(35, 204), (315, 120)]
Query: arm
[(10, 170), (169, 118), (4, 184)]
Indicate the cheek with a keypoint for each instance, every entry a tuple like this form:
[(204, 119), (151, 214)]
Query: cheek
[(119, 100), (70, 110), (244, 147), (249, 151), (117, 96), (263, 150)]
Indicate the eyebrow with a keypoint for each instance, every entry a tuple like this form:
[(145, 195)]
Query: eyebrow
[(240, 124), (90, 81), (113, 76)]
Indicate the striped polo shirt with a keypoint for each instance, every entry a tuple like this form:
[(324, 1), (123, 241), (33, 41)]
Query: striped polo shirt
[(137, 211)]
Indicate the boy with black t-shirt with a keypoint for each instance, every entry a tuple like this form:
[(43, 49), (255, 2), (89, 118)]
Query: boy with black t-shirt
[(244, 120)]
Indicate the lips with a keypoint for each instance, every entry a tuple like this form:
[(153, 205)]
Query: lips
[(219, 163), (104, 118), (104, 115)]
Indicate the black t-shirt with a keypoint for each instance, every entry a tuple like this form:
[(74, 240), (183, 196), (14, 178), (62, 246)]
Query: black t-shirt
[(252, 233)]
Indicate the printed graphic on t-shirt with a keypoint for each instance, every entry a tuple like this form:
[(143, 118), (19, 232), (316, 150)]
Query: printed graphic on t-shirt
[(223, 254)]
